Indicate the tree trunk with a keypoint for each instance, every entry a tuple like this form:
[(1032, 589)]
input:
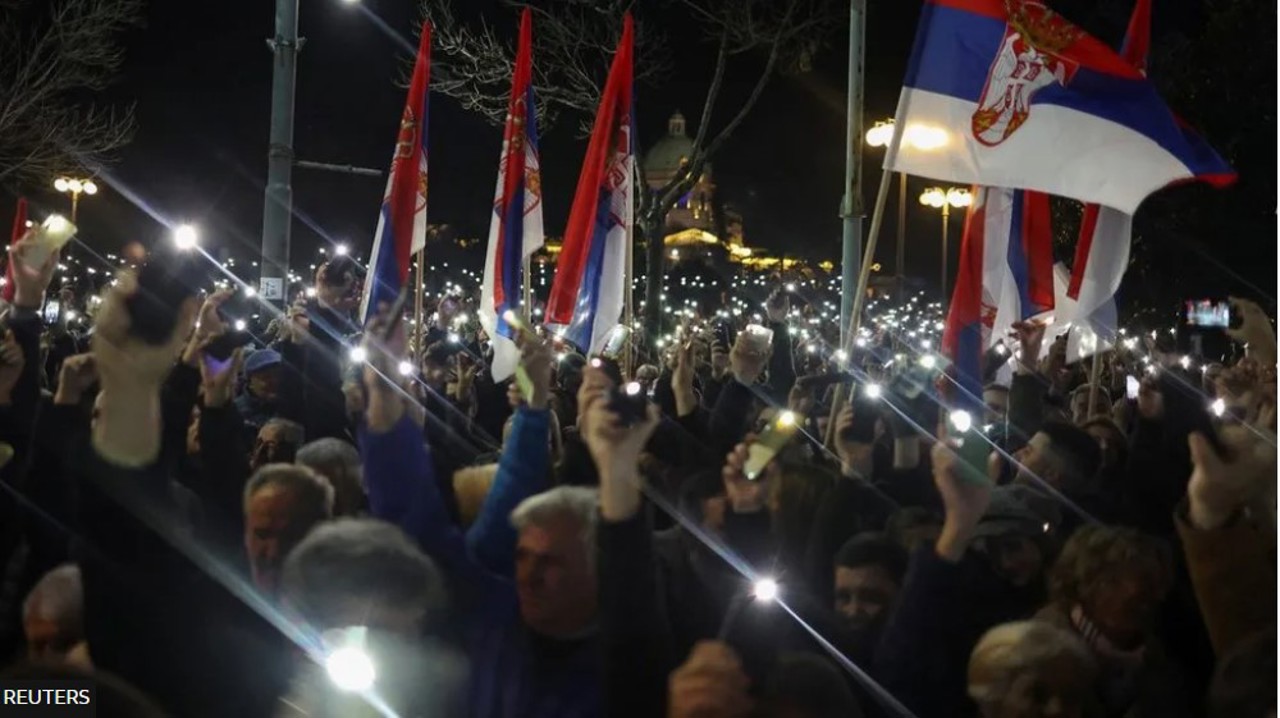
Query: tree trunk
[(652, 225)]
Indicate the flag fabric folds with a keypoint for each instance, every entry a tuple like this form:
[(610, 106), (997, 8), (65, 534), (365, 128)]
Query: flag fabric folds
[(19, 229), (1005, 276), (1006, 93), (402, 222), (515, 229), (587, 295)]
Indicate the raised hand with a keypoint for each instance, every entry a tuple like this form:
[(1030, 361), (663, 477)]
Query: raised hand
[(710, 684), (594, 383), (615, 447), (537, 360), (746, 361), (746, 497), (1030, 339), (209, 326), (382, 380), (964, 503), (296, 326), (30, 283), (855, 456), (220, 382), (682, 380), (1222, 486), (719, 360), (11, 364), (1255, 330), (78, 373), (777, 306)]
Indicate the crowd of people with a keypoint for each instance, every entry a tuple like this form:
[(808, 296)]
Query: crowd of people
[(334, 520)]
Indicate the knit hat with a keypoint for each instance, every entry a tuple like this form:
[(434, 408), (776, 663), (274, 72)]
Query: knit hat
[(261, 359)]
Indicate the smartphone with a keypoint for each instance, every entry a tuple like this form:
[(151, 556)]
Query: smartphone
[(1208, 313), (49, 236), (771, 441), (973, 449), (52, 310), (865, 413), (616, 341), (1131, 386), (629, 402)]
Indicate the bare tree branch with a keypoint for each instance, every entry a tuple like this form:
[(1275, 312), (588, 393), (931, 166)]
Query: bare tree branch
[(51, 55)]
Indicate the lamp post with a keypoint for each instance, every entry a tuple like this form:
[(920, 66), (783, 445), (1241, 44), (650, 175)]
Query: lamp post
[(75, 187), (880, 135), (945, 199)]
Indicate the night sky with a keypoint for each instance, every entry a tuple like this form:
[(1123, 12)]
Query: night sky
[(200, 74)]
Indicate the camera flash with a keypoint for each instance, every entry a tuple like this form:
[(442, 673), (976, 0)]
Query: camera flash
[(961, 420), (765, 589), (873, 391)]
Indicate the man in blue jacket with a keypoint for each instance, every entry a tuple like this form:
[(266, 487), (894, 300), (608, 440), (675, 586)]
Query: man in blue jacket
[(523, 576)]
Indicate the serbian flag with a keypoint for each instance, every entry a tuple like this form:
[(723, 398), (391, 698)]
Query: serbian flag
[(1005, 276), (19, 229), (515, 230), (1007, 93), (587, 294), (402, 223)]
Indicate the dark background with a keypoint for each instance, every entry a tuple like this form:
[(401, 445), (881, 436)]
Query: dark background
[(200, 74)]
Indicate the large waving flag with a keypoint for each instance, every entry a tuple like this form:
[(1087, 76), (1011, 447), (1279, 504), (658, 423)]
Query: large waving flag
[(402, 223), (19, 229), (1006, 93), (1005, 276), (587, 294), (515, 230), (1091, 331)]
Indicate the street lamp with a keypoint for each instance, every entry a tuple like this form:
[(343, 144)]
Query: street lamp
[(945, 199), (921, 138), (75, 187)]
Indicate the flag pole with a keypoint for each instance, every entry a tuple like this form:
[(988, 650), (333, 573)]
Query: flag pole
[(526, 297), (627, 286), (868, 255), (1095, 378), (418, 334)]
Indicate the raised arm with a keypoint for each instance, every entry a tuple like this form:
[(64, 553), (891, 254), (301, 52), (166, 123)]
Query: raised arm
[(523, 468)]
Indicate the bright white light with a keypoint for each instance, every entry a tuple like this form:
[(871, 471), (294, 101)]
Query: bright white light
[(860, 342), (71, 315), (75, 185), (461, 319), (60, 184), (791, 287), (1218, 407), (90, 188), (250, 292), (961, 420), (56, 224), (873, 391), (454, 338), (405, 368), (358, 355), (240, 325), (811, 348), (633, 388), (184, 237), (350, 669), (311, 291), (841, 355), (786, 418), (1000, 350), (1185, 361), (341, 250), (561, 356), (928, 361), (765, 589)]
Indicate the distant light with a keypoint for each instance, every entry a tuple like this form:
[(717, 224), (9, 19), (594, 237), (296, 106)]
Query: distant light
[(90, 187), (765, 589), (341, 250), (71, 315), (359, 355), (250, 291), (1185, 361), (240, 325), (841, 355), (405, 368), (791, 287), (454, 338), (60, 184), (311, 291), (185, 237)]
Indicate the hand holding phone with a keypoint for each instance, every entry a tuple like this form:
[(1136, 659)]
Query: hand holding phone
[(965, 438), (770, 442), (46, 238)]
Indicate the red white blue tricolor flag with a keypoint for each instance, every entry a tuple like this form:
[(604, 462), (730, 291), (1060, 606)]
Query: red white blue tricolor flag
[(1007, 93), (515, 230), (588, 292), (1005, 276), (19, 229), (402, 223)]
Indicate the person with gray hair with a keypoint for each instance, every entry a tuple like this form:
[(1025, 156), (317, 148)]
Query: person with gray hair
[(282, 502), (1029, 669), (53, 614), (277, 443), (555, 560), (362, 584), (339, 462)]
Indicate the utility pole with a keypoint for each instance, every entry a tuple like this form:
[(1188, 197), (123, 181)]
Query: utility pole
[(851, 206), (277, 211)]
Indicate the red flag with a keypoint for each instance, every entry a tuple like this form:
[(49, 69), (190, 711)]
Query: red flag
[(19, 229), (587, 295), (402, 223)]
